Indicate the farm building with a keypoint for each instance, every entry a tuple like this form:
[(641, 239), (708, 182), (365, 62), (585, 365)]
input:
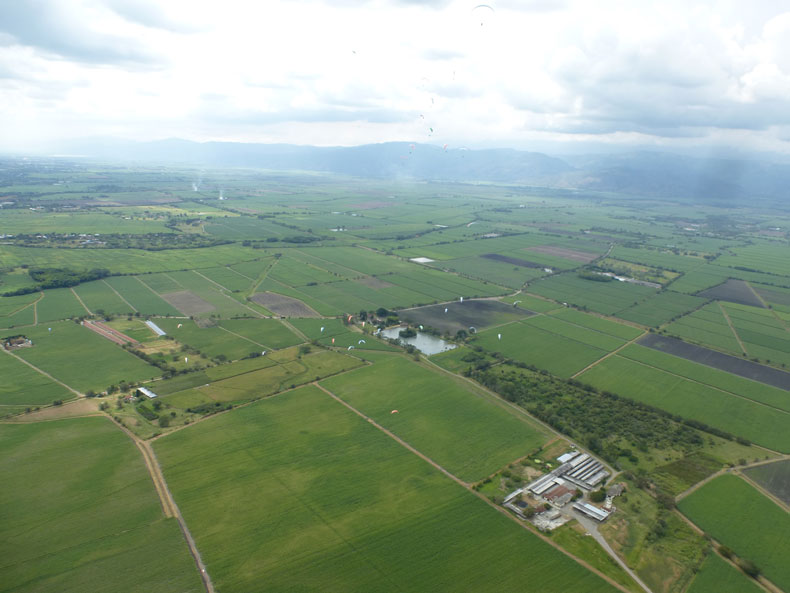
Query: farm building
[(577, 470), (146, 392), (591, 511), (155, 328), (14, 342)]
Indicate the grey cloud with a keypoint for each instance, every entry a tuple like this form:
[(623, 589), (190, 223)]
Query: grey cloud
[(150, 14), (48, 26)]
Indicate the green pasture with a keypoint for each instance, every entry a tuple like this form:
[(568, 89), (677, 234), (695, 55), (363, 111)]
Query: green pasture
[(757, 531), (602, 297), (271, 333), (661, 308), (59, 303), (212, 341), (63, 353), (438, 415), (83, 514), (98, 296), (599, 324), (300, 493)]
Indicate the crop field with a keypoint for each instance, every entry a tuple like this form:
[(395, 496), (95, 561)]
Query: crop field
[(700, 278), (556, 353), (272, 379), (599, 324), (21, 385), (756, 532), (725, 362), (270, 333), (227, 278), (707, 326), (59, 303), (745, 418), (486, 269), (203, 290), (721, 379), (433, 410), (346, 509), (479, 314), (98, 296), (83, 514), (63, 351), (718, 575), (573, 331), (774, 477), (22, 316), (603, 297), (661, 308), (763, 257), (140, 296), (212, 341), (733, 291)]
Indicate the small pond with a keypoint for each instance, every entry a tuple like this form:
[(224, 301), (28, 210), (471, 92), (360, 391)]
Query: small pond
[(425, 343)]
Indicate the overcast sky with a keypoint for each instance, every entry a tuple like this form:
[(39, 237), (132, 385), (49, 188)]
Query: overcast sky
[(514, 73)]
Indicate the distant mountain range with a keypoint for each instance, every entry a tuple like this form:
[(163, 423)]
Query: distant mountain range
[(640, 173)]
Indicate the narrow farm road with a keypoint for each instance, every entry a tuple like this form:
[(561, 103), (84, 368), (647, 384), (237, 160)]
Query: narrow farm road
[(84, 306), (612, 353), (169, 506), (120, 296), (482, 497), (732, 329)]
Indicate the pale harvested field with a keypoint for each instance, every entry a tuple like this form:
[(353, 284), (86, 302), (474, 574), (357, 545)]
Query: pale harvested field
[(571, 254), (282, 305), (188, 302)]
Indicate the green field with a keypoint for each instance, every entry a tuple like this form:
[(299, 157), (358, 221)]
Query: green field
[(442, 418), (21, 385), (661, 308), (63, 353), (140, 296), (343, 508), (717, 575), (83, 514), (602, 297), (57, 304), (99, 296), (554, 352), (756, 422), (757, 532)]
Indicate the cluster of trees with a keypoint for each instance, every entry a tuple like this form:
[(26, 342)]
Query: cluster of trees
[(58, 278), (599, 419), (146, 241)]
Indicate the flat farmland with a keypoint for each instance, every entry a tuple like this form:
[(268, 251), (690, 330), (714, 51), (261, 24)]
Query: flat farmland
[(98, 296), (63, 351), (204, 289), (458, 429), (83, 514), (577, 332), (260, 383), (140, 296), (612, 328), (764, 256), (479, 314), (733, 291), (774, 477), (59, 303), (758, 531), (718, 360), (555, 353), (227, 278), (661, 308), (24, 316), (271, 333), (302, 494), (21, 385), (603, 297), (282, 305), (212, 341), (707, 326), (717, 575), (531, 303), (498, 272), (759, 423), (727, 381)]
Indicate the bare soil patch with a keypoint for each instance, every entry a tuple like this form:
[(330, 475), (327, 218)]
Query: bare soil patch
[(373, 282), (282, 305), (80, 407), (571, 254), (188, 302), (718, 360), (512, 260), (733, 291), (774, 477)]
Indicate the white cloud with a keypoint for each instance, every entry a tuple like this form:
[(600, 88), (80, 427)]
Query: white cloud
[(329, 73)]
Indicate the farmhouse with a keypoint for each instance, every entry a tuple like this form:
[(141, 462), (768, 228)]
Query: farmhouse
[(576, 470), (591, 511), (146, 392), (14, 342)]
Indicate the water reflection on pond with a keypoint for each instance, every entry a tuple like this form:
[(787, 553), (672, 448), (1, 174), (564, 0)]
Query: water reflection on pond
[(425, 343)]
